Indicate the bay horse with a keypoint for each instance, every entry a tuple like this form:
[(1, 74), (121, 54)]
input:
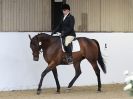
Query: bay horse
[(52, 51)]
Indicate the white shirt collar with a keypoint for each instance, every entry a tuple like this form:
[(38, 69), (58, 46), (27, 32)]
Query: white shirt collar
[(65, 17)]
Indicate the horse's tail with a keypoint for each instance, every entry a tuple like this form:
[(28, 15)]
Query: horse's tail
[(100, 58)]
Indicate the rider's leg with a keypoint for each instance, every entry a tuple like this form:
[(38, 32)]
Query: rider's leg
[(69, 54), (68, 41)]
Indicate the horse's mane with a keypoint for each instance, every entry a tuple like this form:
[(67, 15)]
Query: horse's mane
[(47, 36), (43, 35)]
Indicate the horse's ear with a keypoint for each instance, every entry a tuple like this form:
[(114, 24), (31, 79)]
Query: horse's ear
[(30, 37)]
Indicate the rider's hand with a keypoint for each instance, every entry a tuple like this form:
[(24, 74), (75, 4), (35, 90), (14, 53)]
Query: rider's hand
[(58, 33)]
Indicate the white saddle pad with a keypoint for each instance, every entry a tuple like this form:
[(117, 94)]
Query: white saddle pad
[(76, 46)]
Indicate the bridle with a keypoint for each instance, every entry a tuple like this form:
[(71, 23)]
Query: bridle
[(40, 49)]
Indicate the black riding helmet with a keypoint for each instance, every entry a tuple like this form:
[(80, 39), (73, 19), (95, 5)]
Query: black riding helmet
[(65, 7)]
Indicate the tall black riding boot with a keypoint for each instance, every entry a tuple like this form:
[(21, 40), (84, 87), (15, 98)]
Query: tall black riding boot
[(69, 54)]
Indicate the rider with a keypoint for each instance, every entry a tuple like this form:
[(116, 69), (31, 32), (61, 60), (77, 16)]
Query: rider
[(66, 28)]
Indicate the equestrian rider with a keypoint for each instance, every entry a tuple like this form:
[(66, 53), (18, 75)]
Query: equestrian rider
[(66, 28)]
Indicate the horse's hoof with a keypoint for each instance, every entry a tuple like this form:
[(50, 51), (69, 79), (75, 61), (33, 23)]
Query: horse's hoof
[(38, 92), (99, 91), (57, 92), (69, 88)]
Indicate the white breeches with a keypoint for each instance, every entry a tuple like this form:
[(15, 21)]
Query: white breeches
[(68, 40)]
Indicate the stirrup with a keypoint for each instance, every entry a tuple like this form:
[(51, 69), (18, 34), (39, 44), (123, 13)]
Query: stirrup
[(69, 60)]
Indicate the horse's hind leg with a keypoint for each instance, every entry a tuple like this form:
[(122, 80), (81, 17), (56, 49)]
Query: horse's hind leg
[(77, 74), (56, 79), (97, 72)]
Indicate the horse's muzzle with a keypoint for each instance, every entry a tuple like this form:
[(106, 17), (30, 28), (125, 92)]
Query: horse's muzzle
[(35, 58)]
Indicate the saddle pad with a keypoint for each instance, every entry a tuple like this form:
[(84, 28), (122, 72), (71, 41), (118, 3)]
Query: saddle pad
[(75, 46)]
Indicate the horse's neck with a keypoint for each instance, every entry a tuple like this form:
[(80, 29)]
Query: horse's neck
[(50, 46), (47, 41)]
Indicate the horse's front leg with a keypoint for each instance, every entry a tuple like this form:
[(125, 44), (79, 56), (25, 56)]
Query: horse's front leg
[(56, 79), (41, 80)]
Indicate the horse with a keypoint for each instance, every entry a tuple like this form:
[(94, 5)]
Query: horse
[(53, 54)]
